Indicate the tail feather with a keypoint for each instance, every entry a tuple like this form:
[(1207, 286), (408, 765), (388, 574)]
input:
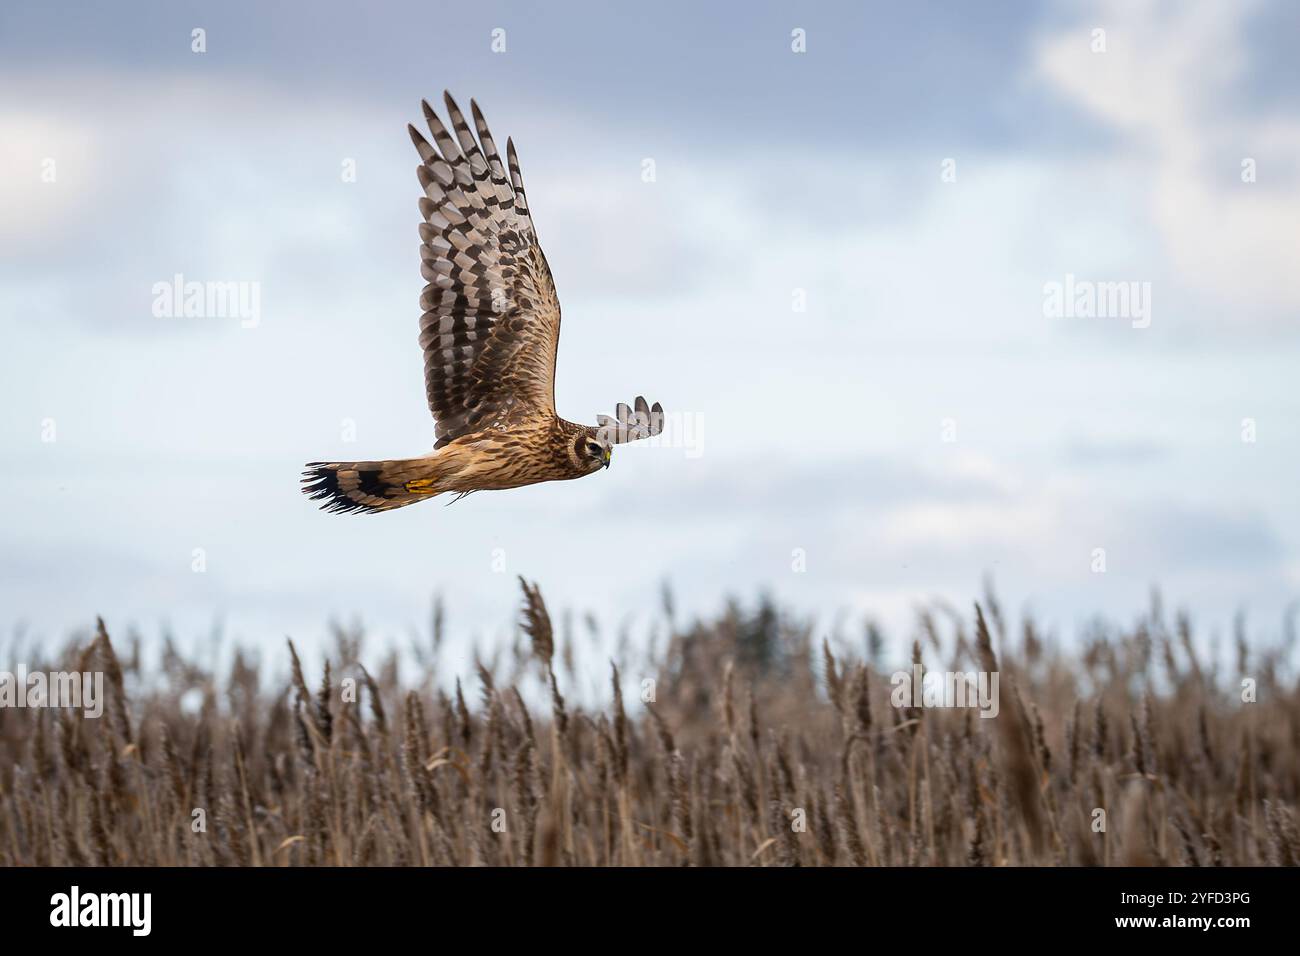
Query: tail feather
[(367, 487)]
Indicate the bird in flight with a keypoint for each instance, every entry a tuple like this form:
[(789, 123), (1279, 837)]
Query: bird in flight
[(490, 329)]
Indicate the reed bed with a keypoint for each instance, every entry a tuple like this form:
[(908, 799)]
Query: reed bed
[(762, 745)]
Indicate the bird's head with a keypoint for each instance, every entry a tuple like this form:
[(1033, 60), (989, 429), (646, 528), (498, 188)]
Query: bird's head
[(592, 453)]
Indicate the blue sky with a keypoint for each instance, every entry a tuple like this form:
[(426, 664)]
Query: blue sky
[(780, 177)]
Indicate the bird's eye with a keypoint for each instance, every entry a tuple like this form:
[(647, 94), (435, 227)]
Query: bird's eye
[(595, 451)]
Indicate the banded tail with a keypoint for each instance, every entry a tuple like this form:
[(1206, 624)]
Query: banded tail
[(372, 486)]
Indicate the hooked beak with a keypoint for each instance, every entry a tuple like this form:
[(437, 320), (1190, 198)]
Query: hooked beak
[(609, 453)]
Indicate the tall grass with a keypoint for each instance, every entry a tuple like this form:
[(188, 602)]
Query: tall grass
[(761, 747)]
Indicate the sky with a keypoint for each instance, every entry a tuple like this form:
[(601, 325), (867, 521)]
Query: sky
[(850, 249)]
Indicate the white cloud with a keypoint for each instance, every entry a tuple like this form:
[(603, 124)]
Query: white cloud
[(1166, 83), (45, 179)]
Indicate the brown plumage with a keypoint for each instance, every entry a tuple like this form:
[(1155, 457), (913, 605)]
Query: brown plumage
[(490, 329)]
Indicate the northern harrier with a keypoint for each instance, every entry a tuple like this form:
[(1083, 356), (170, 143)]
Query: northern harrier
[(490, 330)]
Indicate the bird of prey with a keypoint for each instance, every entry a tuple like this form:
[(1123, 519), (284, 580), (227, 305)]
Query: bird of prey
[(490, 329)]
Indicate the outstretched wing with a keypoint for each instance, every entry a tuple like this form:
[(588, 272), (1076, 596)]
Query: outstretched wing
[(491, 321), (630, 424)]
